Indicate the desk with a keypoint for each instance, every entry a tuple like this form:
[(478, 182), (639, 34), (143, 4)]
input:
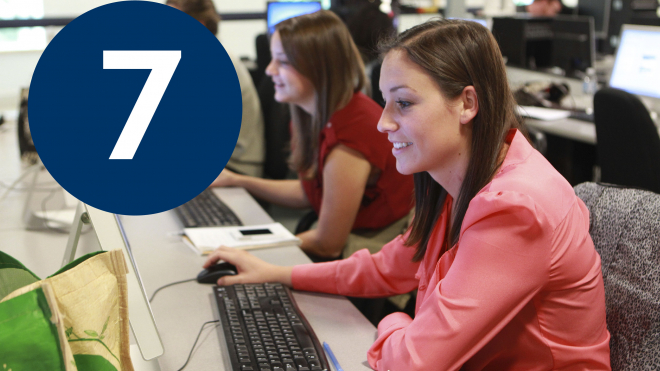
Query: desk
[(162, 258), (581, 131)]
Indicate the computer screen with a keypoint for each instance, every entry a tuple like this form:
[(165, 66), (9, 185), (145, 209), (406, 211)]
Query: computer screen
[(280, 11), (637, 64)]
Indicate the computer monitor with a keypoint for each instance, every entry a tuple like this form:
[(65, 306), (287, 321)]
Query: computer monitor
[(110, 234), (600, 11), (637, 63), (522, 2), (482, 22), (610, 15), (574, 44), (525, 41), (279, 11)]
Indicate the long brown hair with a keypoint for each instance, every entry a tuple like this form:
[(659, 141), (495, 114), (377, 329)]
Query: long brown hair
[(319, 46), (202, 10), (457, 54)]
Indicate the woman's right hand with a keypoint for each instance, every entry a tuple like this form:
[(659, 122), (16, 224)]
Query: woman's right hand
[(250, 268), (227, 178)]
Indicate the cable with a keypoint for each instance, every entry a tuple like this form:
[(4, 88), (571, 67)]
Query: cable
[(168, 285), (194, 344), (25, 173), (37, 188)]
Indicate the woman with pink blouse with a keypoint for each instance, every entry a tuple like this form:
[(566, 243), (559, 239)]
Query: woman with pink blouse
[(499, 249)]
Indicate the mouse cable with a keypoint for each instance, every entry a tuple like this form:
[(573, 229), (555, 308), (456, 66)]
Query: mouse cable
[(168, 285), (195, 343)]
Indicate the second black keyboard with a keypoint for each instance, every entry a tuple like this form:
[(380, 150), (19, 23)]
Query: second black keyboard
[(265, 331), (206, 210)]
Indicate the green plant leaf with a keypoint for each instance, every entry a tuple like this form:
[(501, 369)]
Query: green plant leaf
[(69, 331), (105, 326), (102, 337), (92, 333)]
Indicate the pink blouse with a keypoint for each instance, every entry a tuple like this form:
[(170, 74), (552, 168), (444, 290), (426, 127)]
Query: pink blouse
[(521, 290)]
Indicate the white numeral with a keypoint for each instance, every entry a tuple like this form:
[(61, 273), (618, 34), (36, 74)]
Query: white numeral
[(162, 64)]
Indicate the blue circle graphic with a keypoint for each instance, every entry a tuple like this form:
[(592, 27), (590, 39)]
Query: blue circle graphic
[(78, 109)]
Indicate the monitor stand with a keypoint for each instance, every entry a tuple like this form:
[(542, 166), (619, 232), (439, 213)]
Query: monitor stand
[(139, 363), (110, 235), (34, 216)]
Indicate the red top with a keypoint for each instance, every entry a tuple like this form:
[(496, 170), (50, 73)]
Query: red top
[(355, 127)]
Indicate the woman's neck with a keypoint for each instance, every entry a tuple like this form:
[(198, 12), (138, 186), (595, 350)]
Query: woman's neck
[(308, 105)]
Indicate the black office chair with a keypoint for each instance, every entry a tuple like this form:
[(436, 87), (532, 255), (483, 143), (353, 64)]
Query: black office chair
[(262, 46), (628, 144), (376, 94), (276, 130)]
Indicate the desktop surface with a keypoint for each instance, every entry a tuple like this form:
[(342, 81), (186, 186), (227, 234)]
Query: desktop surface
[(162, 257)]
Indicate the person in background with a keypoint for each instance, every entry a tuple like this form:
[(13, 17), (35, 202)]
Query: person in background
[(544, 8), (499, 248), (248, 155), (346, 169), (367, 24)]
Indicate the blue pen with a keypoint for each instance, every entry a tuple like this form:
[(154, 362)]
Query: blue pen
[(328, 351)]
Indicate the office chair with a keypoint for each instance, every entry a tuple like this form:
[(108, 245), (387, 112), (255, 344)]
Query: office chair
[(276, 130), (625, 227), (628, 145), (262, 46), (374, 76)]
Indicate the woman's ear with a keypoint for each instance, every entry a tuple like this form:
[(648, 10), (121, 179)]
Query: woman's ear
[(470, 104)]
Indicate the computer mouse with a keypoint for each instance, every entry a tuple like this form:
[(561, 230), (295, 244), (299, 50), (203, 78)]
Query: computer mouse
[(213, 273)]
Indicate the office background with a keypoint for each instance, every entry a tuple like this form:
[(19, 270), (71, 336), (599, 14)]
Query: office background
[(18, 59)]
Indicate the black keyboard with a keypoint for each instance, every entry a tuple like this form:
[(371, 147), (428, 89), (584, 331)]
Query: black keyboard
[(265, 331), (206, 210), (582, 115)]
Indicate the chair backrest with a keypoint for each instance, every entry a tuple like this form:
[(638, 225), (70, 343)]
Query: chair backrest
[(262, 46), (276, 130), (628, 144), (625, 228), (374, 77)]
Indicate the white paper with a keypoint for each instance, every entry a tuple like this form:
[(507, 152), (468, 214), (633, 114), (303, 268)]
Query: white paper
[(208, 239), (541, 113)]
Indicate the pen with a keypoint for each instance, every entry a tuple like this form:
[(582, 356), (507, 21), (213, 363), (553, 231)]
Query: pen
[(328, 351)]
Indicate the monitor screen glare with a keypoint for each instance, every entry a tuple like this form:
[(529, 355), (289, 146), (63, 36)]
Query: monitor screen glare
[(280, 11), (637, 64)]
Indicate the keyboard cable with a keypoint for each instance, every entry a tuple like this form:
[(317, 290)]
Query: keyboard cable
[(200, 330), (168, 285), (196, 340)]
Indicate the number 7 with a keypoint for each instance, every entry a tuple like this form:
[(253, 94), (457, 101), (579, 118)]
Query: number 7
[(162, 64)]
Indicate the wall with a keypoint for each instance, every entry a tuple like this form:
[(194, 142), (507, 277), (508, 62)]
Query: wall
[(16, 67)]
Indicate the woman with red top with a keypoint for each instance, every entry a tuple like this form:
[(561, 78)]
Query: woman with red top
[(346, 168), (499, 249)]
